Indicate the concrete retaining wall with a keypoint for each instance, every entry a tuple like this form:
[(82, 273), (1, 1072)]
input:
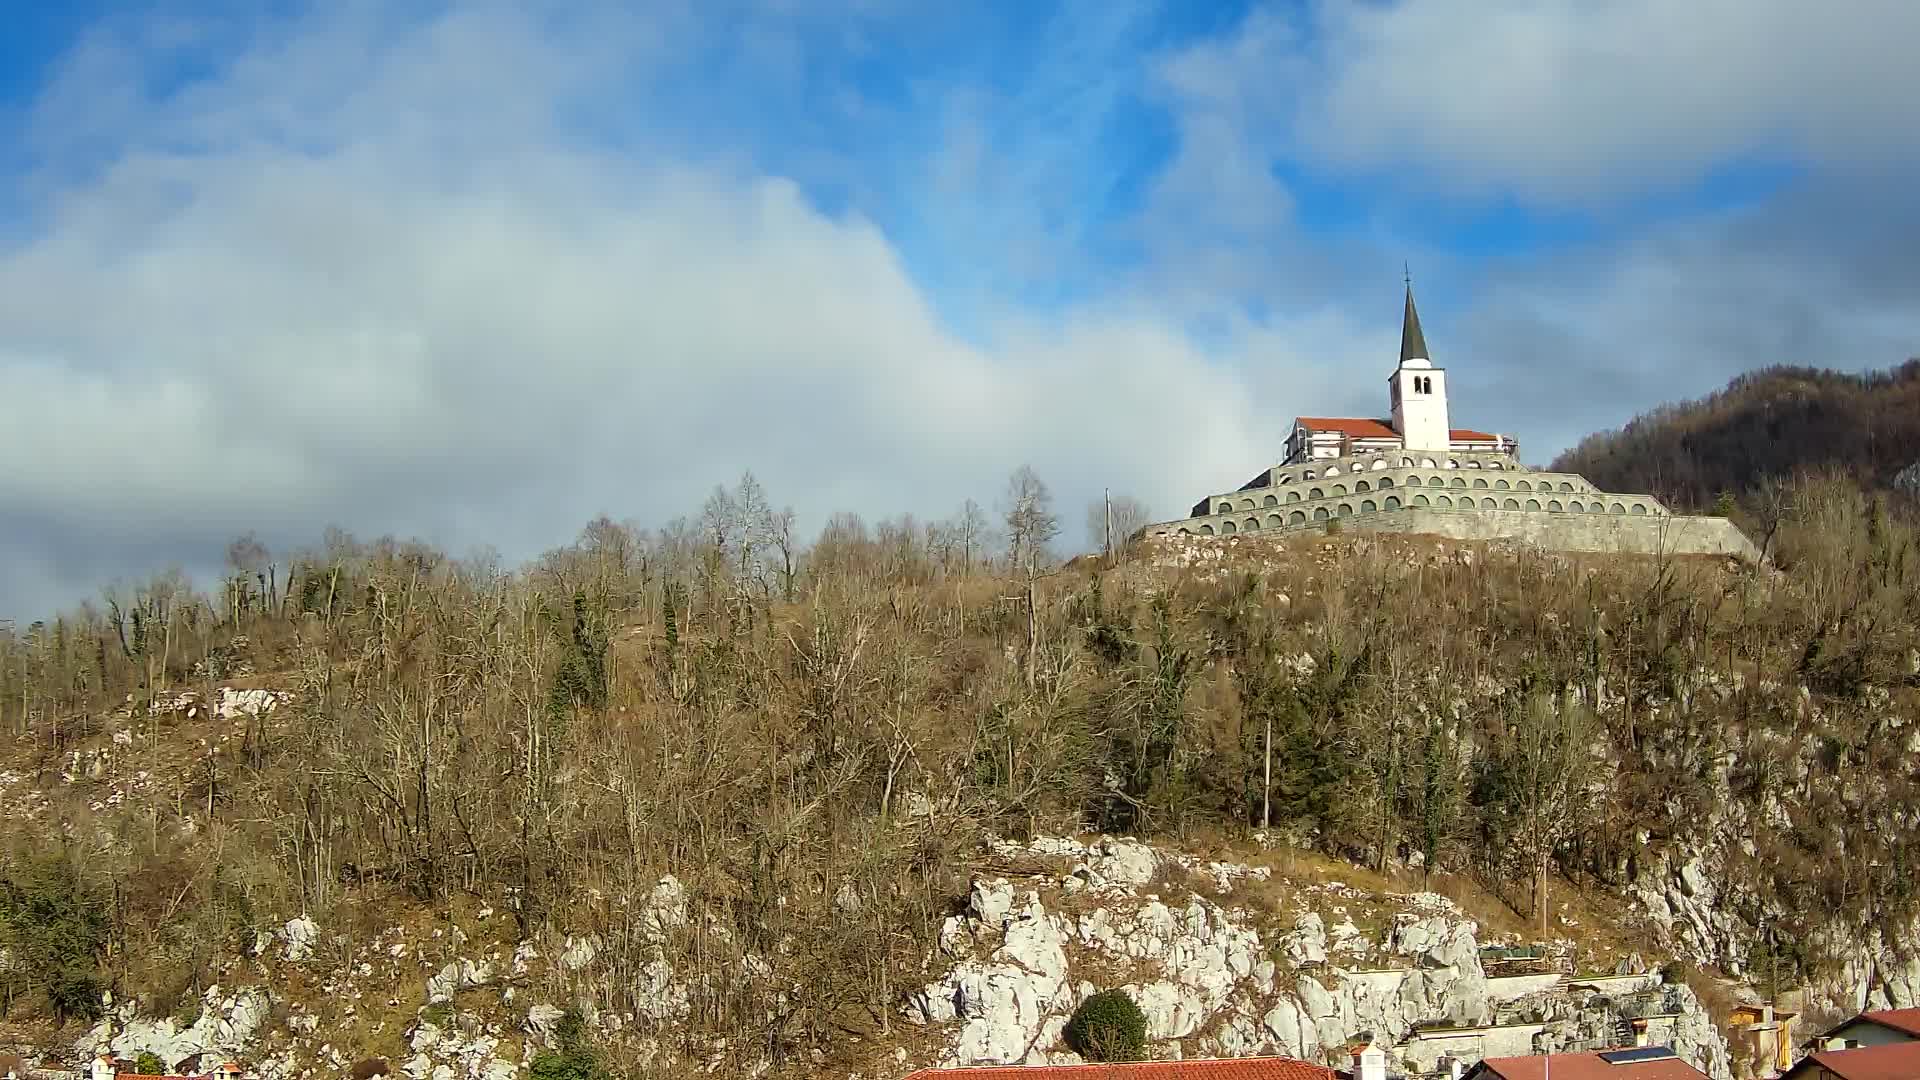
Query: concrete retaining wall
[(1572, 532)]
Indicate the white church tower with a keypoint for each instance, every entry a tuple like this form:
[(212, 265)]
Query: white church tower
[(1419, 390)]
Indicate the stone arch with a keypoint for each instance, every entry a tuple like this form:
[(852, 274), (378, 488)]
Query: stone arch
[(1480, 481), (1298, 517), (1308, 475), (1422, 500), (1252, 525), (1227, 528), (1293, 496), (1339, 489), (1362, 487), (1413, 481), (1453, 463), (1428, 463), (1406, 463), (1638, 508), (1225, 508), (1565, 486), (1392, 503), (1270, 500), (1386, 482), (1554, 505), (1446, 501), (1320, 513), (1577, 506), (1186, 532), (1523, 485), (1489, 504), (1510, 504), (1473, 464), (1346, 509), (1378, 464), (1331, 470), (1284, 480), (1273, 521), (1246, 504), (1502, 484), (1316, 493), (1459, 481), (1618, 508), (1533, 504), (1367, 506), (1206, 530)]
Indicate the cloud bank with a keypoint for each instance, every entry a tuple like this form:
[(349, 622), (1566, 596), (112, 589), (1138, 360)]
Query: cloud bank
[(480, 277)]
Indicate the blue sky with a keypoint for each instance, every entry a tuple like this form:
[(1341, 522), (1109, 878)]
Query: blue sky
[(479, 271)]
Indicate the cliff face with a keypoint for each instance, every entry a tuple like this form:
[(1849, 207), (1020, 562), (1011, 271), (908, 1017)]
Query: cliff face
[(1254, 969)]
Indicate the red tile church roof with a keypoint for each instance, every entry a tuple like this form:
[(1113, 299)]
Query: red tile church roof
[(1268, 1068), (1364, 428)]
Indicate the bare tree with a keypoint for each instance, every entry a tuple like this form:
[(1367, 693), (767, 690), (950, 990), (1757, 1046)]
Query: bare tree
[(1031, 526), (1031, 522)]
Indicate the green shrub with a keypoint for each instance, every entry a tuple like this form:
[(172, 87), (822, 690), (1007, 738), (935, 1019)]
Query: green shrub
[(149, 1064), (1108, 1027), (54, 923), (574, 1059)]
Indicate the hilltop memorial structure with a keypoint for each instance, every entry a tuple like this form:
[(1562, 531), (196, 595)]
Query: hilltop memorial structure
[(1414, 472)]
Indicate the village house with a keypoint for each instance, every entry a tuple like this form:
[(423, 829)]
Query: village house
[(1635, 1063), (1883, 1061), (1768, 1035), (1871, 1029)]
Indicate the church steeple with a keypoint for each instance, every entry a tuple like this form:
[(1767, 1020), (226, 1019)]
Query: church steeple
[(1419, 390), (1413, 343)]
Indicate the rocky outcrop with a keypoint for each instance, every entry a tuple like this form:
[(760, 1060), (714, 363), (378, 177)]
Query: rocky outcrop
[(228, 1024), (1212, 979)]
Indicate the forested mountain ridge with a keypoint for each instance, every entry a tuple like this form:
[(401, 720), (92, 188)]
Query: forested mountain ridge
[(1764, 426), (720, 791)]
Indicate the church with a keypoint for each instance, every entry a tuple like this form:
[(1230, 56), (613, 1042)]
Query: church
[(1414, 472)]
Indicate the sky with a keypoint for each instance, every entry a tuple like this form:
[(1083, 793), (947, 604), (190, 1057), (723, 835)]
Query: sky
[(478, 272)]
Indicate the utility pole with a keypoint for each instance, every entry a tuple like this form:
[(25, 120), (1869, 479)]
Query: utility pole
[(1107, 495)]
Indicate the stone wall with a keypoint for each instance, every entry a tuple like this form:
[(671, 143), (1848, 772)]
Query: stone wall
[(1574, 532)]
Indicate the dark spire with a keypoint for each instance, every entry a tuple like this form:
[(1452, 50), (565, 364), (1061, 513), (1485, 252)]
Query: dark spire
[(1413, 343)]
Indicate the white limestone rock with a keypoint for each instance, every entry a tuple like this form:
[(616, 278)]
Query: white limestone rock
[(301, 934)]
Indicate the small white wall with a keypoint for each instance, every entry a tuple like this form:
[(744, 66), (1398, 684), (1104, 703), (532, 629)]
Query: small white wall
[(1504, 988), (1506, 1040)]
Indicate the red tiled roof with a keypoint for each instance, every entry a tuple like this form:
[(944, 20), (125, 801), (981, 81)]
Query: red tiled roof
[(1892, 1061), (1357, 427), (1268, 1068), (1360, 427), (1589, 1067), (1906, 1021)]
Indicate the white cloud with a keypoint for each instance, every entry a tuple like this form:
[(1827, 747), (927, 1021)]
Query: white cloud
[(1565, 100), (490, 339), (375, 274)]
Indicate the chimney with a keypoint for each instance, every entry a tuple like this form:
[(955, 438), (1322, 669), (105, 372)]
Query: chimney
[(102, 1069), (1369, 1062)]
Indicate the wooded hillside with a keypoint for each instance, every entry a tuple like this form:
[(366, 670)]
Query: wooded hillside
[(810, 737), (1765, 425)]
